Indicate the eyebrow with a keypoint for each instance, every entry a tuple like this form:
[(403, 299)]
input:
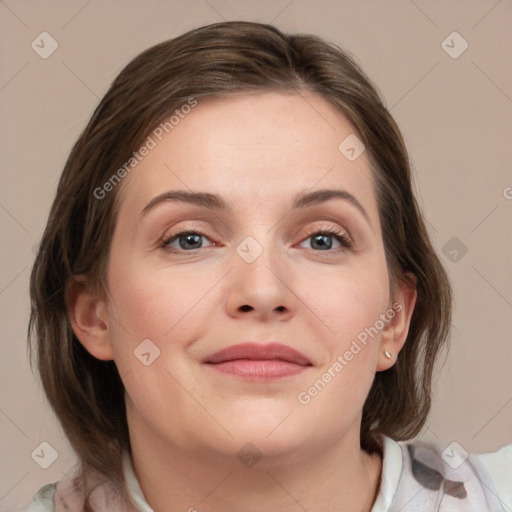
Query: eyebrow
[(215, 202)]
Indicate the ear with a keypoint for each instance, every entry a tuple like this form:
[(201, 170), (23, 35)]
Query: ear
[(88, 318), (395, 333)]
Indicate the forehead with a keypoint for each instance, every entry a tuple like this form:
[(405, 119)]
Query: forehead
[(266, 146)]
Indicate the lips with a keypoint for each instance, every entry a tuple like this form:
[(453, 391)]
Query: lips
[(256, 352), (255, 362)]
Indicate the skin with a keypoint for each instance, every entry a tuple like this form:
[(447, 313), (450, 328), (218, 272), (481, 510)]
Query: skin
[(188, 422)]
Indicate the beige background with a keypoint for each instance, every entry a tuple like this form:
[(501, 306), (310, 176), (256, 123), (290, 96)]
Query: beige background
[(455, 114)]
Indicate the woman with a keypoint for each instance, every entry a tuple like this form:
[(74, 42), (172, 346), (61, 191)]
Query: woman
[(236, 305)]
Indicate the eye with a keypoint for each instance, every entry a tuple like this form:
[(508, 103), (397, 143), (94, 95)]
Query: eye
[(322, 240), (186, 240)]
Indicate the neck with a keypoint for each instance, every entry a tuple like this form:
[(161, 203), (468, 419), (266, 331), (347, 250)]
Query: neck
[(338, 478)]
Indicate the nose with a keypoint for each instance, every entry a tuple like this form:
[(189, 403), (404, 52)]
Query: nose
[(260, 284)]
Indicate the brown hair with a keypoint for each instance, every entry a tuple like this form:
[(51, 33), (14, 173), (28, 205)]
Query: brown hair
[(222, 59)]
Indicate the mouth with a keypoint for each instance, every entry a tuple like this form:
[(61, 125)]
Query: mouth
[(252, 361)]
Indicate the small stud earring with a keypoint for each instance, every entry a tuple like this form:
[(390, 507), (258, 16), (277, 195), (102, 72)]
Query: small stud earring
[(387, 354)]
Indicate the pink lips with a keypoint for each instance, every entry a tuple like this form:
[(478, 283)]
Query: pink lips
[(259, 362)]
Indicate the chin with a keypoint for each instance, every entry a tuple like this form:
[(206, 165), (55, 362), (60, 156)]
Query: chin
[(270, 445)]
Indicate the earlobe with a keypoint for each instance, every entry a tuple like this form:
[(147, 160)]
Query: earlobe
[(88, 319), (395, 334)]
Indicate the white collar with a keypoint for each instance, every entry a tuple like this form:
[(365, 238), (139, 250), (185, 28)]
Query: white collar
[(392, 464), (133, 485)]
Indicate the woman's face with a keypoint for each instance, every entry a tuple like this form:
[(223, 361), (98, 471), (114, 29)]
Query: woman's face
[(256, 269)]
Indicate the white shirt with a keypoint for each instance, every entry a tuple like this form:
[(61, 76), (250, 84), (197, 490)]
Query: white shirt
[(416, 477)]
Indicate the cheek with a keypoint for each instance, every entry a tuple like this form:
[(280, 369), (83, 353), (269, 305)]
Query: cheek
[(154, 302), (348, 302), (153, 317)]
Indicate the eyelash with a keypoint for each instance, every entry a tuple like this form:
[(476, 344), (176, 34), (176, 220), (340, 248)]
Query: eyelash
[(340, 236)]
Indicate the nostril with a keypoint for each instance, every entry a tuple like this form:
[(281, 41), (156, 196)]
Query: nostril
[(246, 307)]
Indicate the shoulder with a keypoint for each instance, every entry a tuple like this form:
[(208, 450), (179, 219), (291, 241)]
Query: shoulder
[(440, 477), (88, 490), (70, 494), (43, 500), (498, 465)]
